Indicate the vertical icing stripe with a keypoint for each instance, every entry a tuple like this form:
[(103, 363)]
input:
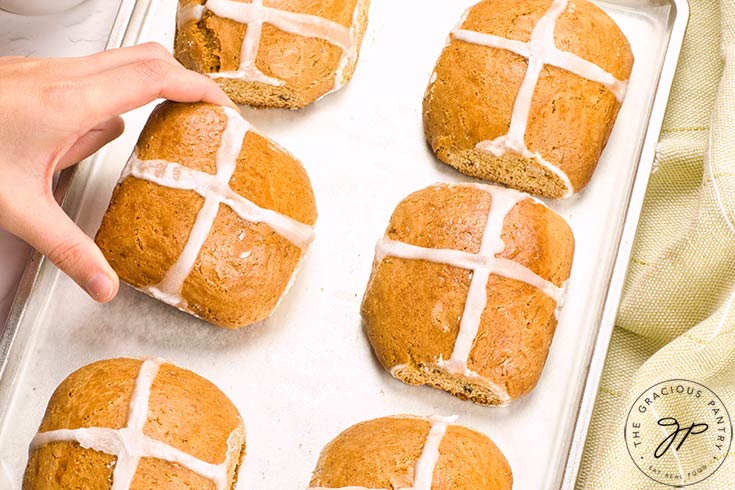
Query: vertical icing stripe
[(169, 289), (351, 52), (131, 448), (427, 461), (541, 50), (226, 161), (543, 34), (250, 44), (491, 244), (255, 14), (130, 444), (482, 264), (128, 456), (191, 12)]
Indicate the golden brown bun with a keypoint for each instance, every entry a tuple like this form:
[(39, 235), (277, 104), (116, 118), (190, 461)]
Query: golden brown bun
[(412, 308), (185, 411), (243, 268), (310, 67), (383, 454), (472, 93)]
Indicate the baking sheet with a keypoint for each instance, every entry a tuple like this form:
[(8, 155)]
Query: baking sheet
[(307, 373)]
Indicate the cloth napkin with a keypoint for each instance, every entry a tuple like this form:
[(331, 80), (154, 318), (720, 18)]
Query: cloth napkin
[(677, 315)]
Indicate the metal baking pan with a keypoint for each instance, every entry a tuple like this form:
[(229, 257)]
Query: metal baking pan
[(307, 373)]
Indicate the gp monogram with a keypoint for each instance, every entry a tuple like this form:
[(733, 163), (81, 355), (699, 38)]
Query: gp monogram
[(678, 432)]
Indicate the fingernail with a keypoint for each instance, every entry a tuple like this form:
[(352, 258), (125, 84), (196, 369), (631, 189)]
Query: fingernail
[(99, 287)]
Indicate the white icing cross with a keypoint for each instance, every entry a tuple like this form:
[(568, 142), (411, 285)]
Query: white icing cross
[(130, 444), (255, 14), (426, 464), (541, 50), (216, 190), (482, 264)]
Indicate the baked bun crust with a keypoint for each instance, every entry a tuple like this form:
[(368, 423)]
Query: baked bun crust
[(485, 116), (229, 258), (185, 431), (296, 52), (411, 452), (464, 290)]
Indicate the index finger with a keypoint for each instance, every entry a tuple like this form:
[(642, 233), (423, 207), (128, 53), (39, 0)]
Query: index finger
[(113, 58), (128, 87)]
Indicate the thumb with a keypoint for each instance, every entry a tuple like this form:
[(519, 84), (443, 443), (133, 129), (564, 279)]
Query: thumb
[(89, 143), (50, 231)]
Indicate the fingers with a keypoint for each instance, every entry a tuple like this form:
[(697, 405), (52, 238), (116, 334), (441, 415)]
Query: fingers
[(50, 231), (115, 58), (8, 60), (139, 83), (95, 139)]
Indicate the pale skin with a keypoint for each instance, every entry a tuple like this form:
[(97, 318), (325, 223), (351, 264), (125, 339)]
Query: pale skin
[(55, 113)]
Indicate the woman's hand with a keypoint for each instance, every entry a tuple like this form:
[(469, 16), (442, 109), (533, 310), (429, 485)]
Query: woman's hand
[(56, 112)]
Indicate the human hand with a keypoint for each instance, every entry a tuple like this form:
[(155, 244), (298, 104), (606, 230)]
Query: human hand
[(56, 112)]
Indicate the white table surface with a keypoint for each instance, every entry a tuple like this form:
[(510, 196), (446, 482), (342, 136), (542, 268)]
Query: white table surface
[(76, 32)]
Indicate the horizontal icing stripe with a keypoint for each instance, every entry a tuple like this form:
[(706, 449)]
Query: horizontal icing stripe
[(541, 50), (130, 444), (216, 190), (482, 264), (549, 56), (177, 176), (387, 247), (465, 260), (474, 37), (255, 14), (304, 25)]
